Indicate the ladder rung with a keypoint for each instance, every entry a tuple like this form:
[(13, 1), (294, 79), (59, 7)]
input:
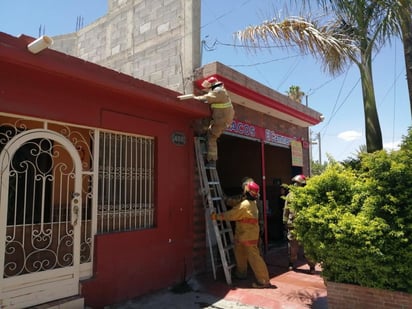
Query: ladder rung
[(219, 263), (229, 267), (229, 247), (214, 182), (216, 198), (226, 230)]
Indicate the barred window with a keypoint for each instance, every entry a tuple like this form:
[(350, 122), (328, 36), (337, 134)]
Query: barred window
[(126, 182)]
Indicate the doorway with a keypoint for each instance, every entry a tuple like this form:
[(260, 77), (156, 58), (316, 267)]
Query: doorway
[(40, 213)]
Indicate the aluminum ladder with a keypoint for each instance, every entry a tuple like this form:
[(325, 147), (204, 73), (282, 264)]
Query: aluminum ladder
[(212, 196)]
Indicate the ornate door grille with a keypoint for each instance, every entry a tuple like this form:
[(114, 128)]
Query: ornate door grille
[(39, 222), (39, 233)]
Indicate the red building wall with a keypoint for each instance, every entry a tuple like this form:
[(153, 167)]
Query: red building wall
[(56, 87)]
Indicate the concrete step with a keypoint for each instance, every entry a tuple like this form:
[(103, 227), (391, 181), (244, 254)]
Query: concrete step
[(73, 302)]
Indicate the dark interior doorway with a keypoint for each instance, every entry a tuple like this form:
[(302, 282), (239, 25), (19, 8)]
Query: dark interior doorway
[(239, 158)]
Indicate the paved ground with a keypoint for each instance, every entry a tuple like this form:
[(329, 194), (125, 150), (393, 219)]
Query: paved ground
[(295, 290)]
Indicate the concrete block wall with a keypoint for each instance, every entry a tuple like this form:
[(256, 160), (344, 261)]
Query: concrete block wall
[(154, 40)]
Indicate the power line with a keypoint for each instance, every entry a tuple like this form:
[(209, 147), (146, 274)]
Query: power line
[(254, 47), (340, 92), (225, 14), (288, 73), (212, 47), (340, 106), (263, 62)]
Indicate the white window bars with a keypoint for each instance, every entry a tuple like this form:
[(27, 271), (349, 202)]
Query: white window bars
[(126, 182)]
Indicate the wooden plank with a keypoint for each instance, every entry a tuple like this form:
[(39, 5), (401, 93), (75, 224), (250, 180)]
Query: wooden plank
[(185, 96)]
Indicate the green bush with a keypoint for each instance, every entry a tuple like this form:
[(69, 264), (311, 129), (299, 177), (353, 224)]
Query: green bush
[(358, 223)]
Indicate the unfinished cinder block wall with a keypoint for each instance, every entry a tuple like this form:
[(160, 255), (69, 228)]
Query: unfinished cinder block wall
[(154, 40)]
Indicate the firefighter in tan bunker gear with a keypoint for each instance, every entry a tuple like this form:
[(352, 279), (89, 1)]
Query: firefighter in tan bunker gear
[(232, 201), (288, 218), (245, 214), (222, 113)]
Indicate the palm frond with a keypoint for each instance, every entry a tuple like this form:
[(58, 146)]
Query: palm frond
[(326, 42)]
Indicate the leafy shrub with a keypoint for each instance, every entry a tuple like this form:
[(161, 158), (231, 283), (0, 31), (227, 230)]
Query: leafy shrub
[(358, 223)]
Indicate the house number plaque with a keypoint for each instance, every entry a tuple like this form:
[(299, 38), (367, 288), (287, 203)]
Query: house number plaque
[(178, 138)]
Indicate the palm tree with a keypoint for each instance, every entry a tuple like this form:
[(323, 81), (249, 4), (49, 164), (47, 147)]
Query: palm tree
[(405, 20), (355, 29), (398, 22), (400, 13), (295, 93)]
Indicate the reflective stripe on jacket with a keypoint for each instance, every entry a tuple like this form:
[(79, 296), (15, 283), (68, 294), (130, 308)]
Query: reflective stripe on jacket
[(246, 215), (221, 105)]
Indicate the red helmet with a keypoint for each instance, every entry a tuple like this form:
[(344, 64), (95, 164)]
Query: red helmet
[(300, 179), (210, 81), (253, 188), (245, 181)]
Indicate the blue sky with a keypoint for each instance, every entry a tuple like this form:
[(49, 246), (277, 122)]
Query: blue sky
[(339, 99)]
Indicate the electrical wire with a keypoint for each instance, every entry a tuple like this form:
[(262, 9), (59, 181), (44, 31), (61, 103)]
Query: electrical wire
[(262, 62), (225, 14), (334, 110), (254, 47), (289, 73), (340, 106)]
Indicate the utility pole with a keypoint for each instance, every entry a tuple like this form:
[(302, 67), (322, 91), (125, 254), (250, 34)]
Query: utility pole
[(320, 150), (310, 151), (316, 142)]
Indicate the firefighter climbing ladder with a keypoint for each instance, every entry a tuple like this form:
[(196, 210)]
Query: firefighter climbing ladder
[(212, 195)]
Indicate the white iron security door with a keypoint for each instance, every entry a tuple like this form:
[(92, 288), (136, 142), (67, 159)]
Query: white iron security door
[(40, 218)]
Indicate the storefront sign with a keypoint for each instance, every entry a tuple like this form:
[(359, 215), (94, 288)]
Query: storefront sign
[(297, 153), (275, 138), (242, 128), (250, 130)]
